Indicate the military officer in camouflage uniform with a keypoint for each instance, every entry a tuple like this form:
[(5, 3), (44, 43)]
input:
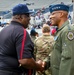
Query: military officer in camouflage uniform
[(43, 45), (62, 57)]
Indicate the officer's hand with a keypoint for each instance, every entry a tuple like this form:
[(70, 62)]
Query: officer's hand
[(42, 65)]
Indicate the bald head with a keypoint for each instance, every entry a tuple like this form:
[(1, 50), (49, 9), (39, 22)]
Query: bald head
[(46, 28)]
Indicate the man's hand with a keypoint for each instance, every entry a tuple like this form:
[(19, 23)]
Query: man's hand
[(42, 65)]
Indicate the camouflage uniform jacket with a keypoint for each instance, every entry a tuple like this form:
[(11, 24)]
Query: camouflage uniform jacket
[(43, 47)]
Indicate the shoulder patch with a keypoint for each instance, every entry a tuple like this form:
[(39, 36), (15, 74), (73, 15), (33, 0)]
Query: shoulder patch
[(70, 36)]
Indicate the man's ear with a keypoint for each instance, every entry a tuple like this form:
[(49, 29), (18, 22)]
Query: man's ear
[(64, 13), (61, 14)]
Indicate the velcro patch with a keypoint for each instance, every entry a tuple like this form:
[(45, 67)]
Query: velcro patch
[(70, 35)]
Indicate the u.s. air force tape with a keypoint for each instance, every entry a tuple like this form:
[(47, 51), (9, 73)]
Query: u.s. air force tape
[(70, 35)]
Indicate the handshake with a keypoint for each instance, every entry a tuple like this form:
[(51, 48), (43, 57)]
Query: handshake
[(40, 66)]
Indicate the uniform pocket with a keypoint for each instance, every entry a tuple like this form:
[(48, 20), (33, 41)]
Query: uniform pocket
[(66, 53)]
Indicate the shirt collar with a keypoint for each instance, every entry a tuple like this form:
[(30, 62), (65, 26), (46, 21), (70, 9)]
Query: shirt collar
[(46, 34)]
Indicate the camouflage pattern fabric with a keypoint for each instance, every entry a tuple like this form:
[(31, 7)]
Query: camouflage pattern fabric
[(43, 47)]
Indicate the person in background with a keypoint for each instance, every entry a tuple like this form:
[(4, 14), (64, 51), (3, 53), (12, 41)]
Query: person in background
[(53, 30), (16, 47), (62, 56), (43, 46), (33, 34)]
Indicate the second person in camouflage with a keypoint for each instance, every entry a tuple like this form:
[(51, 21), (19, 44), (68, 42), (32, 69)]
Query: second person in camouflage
[(43, 45)]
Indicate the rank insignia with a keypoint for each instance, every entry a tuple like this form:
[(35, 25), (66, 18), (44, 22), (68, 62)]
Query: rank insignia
[(70, 35)]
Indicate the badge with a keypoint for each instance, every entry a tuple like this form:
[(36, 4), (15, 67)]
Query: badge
[(70, 36)]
